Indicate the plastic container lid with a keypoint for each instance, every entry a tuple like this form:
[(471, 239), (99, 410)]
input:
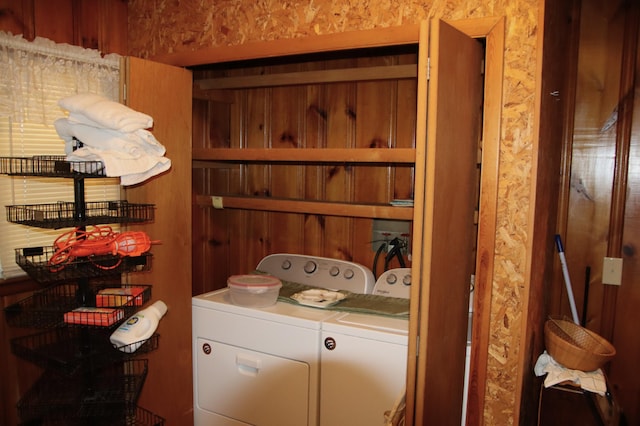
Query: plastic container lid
[(254, 281)]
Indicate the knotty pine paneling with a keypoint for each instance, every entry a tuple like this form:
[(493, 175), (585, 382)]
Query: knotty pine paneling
[(100, 24), (336, 115), (602, 204), (56, 20), (626, 315), (592, 163)]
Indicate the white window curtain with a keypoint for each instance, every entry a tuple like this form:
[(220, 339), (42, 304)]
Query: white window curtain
[(33, 77)]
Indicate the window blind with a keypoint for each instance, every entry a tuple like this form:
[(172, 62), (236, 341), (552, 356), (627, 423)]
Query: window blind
[(33, 77)]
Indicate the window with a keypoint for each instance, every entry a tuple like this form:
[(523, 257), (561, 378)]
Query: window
[(33, 77)]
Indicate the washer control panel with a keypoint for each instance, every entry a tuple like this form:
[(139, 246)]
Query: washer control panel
[(394, 283), (323, 272)]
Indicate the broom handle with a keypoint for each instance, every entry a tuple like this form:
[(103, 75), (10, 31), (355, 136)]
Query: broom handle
[(567, 280)]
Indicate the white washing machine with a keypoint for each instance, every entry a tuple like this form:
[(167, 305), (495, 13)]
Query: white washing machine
[(371, 351), (262, 366), (364, 355)]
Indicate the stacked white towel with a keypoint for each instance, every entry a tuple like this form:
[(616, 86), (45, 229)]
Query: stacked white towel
[(114, 134)]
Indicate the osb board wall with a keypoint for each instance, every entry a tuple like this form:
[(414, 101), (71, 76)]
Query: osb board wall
[(163, 27)]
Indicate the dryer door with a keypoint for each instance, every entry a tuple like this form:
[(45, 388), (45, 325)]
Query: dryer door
[(250, 387)]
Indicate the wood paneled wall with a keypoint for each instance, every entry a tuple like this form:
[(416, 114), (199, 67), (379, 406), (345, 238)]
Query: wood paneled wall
[(599, 207), (366, 114), (100, 24)]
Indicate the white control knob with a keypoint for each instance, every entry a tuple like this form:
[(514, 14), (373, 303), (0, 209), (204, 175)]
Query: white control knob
[(286, 265), (310, 267), (348, 274), (407, 279), (334, 271), (391, 279)]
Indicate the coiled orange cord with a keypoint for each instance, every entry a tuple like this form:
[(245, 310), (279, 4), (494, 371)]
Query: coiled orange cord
[(101, 240)]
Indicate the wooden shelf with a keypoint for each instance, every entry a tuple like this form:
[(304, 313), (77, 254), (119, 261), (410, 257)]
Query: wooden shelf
[(374, 211), (392, 72), (310, 155)]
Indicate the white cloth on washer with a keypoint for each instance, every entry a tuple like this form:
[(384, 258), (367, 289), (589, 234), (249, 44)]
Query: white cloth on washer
[(592, 381), (98, 111)]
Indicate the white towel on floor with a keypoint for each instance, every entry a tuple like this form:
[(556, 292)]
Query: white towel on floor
[(592, 381), (98, 111)]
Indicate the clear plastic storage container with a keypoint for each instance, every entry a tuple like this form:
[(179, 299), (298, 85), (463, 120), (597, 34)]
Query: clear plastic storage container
[(254, 291)]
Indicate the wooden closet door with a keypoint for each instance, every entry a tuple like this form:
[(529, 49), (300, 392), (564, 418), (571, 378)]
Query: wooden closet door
[(164, 92), (448, 133)]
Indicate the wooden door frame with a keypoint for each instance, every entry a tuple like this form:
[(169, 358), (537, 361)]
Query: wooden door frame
[(492, 30)]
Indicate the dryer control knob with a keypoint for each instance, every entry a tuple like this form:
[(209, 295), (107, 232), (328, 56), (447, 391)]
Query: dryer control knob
[(348, 274), (334, 271), (407, 279), (286, 265), (392, 279), (310, 267)]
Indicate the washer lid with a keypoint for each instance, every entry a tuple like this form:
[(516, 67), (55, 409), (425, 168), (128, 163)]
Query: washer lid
[(376, 327)]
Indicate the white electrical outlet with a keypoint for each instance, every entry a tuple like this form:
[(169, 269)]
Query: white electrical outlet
[(612, 271)]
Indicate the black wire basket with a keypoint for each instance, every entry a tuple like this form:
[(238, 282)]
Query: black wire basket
[(107, 395), (142, 417), (69, 350), (64, 214), (47, 308), (51, 166), (37, 263)]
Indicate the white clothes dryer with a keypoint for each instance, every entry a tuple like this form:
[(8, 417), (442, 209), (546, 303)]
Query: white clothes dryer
[(261, 366)]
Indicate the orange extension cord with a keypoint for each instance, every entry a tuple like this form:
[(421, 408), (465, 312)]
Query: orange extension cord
[(101, 240)]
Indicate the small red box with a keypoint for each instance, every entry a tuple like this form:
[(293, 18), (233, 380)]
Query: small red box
[(120, 296), (102, 317)]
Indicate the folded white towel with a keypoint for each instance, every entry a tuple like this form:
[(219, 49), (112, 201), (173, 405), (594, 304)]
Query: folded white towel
[(140, 141), (131, 168), (113, 134), (98, 111), (592, 381)]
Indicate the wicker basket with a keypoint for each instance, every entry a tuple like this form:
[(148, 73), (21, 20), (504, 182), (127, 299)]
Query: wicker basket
[(576, 347)]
